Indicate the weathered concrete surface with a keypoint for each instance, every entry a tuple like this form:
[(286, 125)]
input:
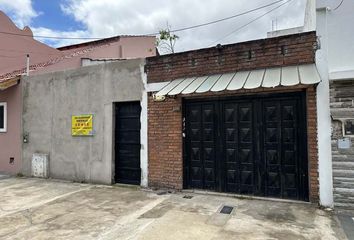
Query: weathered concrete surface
[(341, 103), (3, 176), (49, 101), (39, 209), (347, 223)]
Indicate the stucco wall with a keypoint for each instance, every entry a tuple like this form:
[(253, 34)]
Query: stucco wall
[(10, 142), (51, 99)]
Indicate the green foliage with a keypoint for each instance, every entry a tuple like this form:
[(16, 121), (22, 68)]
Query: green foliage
[(166, 40)]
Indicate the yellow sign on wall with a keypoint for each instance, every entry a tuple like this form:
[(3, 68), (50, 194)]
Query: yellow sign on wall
[(81, 125)]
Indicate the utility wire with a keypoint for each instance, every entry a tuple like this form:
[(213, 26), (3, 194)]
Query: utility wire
[(250, 22), (50, 37), (340, 4), (227, 18), (151, 34)]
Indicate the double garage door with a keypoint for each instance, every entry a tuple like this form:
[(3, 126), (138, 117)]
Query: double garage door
[(249, 145)]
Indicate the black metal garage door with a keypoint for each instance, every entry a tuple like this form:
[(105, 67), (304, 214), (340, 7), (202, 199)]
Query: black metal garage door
[(249, 145), (127, 143)]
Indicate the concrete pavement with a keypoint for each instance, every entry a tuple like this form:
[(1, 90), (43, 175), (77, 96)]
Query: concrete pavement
[(48, 209), (347, 222)]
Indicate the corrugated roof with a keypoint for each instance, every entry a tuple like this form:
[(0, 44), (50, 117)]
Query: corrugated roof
[(267, 78)]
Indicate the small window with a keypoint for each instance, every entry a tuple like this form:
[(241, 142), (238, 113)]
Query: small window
[(349, 127), (3, 117)]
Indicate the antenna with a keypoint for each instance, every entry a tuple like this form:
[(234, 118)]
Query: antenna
[(272, 25)]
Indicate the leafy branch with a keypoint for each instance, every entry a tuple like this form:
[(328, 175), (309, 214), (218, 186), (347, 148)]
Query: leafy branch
[(166, 40)]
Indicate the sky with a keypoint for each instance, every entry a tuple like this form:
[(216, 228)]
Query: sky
[(105, 18)]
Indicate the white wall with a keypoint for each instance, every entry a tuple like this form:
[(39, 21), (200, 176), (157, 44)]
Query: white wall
[(323, 117), (144, 131), (339, 36), (334, 59)]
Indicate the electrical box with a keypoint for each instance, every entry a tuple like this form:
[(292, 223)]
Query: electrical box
[(40, 165)]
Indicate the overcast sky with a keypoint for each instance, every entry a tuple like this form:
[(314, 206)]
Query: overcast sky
[(104, 18)]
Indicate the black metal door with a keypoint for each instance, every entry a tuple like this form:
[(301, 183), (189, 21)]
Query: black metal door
[(280, 148), (238, 146), (127, 143), (248, 145), (202, 145)]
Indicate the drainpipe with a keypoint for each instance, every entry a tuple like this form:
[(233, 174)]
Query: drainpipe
[(27, 66)]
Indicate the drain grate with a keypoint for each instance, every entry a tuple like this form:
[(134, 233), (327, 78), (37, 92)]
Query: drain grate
[(226, 209), (188, 196)]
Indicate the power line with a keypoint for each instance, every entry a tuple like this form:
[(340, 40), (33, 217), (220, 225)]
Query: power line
[(50, 37), (250, 22), (227, 18), (156, 33), (340, 4)]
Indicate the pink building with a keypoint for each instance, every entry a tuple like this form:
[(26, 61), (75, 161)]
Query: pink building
[(14, 47)]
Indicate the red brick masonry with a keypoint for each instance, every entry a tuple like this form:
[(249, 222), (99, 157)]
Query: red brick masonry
[(270, 52), (165, 118)]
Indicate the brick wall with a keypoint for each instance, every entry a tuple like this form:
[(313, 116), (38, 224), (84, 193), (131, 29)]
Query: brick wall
[(165, 138), (312, 143), (271, 52), (165, 143), (165, 118)]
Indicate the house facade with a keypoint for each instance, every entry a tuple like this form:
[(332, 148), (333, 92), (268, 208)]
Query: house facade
[(19, 47), (239, 118), (14, 50), (111, 94)]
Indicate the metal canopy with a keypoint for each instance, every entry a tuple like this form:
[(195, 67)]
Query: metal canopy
[(266, 78), (10, 82)]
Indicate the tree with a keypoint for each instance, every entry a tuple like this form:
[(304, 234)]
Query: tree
[(167, 40)]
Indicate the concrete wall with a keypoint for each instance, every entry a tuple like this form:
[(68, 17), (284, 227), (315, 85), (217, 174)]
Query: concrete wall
[(338, 35), (335, 61), (51, 99), (10, 141), (323, 115)]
